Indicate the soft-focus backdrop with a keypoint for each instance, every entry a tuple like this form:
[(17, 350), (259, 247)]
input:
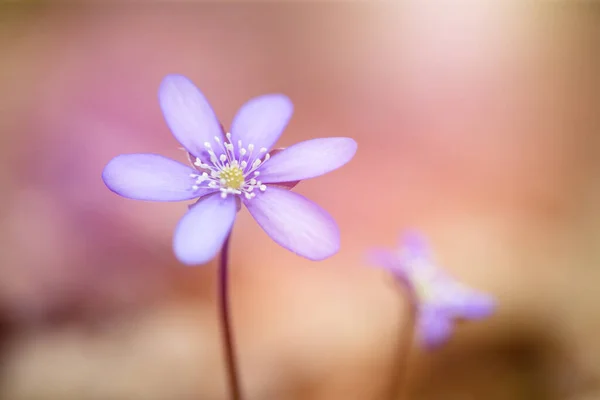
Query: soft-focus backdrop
[(478, 123)]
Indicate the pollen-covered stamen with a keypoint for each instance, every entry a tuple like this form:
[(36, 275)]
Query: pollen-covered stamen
[(228, 172), (232, 177)]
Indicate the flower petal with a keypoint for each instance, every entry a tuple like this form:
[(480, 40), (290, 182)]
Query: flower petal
[(261, 121), (203, 229), (415, 245), (286, 185), (308, 159), (150, 177), (188, 114), (388, 261), (295, 223), (434, 327), (473, 305), (385, 259)]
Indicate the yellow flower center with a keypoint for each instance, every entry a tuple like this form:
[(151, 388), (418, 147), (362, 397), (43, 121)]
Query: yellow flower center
[(422, 277), (231, 171), (232, 177), (423, 290)]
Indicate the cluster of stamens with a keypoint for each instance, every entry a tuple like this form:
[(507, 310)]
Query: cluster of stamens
[(229, 173)]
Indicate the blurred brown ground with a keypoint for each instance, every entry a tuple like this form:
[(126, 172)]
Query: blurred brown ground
[(478, 123)]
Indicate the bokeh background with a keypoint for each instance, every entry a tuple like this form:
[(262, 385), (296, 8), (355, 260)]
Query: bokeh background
[(477, 122)]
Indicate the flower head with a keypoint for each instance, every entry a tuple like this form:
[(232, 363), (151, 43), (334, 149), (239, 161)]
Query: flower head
[(438, 297), (234, 168)]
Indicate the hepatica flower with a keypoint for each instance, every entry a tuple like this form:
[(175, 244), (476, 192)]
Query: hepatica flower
[(439, 298), (230, 169)]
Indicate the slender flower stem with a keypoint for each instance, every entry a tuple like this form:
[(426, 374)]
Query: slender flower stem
[(400, 375), (227, 330)]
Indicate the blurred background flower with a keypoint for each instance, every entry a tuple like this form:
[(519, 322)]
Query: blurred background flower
[(438, 300), (476, 122)]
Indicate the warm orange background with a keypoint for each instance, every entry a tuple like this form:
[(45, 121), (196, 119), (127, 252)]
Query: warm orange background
[(477, 123)]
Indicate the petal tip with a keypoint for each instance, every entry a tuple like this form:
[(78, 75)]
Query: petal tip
[(415, 243), (484, 307), (349, 146), (284, 101), (379, 258), (188, 256), (317, 254), (352, 147), (323, 255), (434, 342), (171, 83), (174, 78), (435, 330), (351, 143), (189, 260), (109, 171)]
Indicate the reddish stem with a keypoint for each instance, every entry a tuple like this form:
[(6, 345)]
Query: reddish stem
[(226, 326), (401, 374)]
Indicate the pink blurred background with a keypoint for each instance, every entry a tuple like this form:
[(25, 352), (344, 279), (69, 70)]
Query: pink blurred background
[(477, 123)]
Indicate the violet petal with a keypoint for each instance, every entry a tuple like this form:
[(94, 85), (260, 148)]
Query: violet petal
[(308, 159), (150, 177), (385, 259), (434, 327), (473, 305), (261, 121), (295, 223), (203, 229), (188, 114), (415, 245)]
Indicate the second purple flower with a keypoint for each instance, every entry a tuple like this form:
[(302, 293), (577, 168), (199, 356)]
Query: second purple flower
[(233, 168), (437, 296)]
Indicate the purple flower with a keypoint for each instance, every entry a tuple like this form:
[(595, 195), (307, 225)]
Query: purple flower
[(437, 296), (234, 168)]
